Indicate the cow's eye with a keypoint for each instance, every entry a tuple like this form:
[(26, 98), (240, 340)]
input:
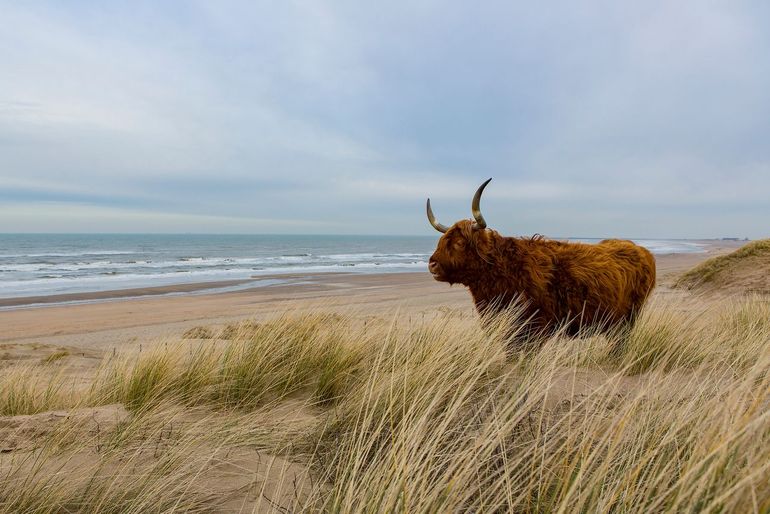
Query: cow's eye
[(459, 244)]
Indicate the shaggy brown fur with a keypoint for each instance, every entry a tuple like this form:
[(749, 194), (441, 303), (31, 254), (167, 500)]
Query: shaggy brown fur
[(570, 285)]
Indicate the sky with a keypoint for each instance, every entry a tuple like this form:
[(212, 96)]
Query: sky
[(595, 119)]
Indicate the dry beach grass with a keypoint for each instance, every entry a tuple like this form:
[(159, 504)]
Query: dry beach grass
[(341, 412), (392, 405)]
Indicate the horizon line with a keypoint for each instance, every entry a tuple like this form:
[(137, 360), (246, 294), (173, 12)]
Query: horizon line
[(716, 238)]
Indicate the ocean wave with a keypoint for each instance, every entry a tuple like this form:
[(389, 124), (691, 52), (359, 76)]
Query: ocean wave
[(99, 265), (665, 247), (106, 281), (372, 256), (206, 262)]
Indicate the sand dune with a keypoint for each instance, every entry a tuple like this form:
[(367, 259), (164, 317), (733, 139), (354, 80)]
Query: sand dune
[(743, 271)]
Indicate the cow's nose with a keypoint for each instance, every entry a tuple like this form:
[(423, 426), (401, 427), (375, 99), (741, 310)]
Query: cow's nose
[(433, 266)]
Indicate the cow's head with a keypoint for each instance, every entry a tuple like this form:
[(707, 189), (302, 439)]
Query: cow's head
[(465, 248)]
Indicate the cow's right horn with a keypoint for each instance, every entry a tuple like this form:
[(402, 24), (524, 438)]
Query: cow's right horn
[(476, 208), (438, 226)]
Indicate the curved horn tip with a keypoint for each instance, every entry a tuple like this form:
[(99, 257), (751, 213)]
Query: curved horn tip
[(438, 226), (476, 206)]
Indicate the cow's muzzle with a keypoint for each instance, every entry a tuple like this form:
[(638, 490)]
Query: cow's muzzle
[(435, 270)]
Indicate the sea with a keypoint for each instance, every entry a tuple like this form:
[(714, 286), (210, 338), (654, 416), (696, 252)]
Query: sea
[(53, 264)]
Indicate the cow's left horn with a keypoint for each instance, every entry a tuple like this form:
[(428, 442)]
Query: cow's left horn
[(476, 208), (438, 226)]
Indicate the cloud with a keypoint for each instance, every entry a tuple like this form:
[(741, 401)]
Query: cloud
[(63, 216), (593, 118)]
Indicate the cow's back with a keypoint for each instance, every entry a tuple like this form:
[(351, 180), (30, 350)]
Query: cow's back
[(604, 283)]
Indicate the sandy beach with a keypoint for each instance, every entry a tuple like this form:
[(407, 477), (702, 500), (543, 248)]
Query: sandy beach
[(114, 319)]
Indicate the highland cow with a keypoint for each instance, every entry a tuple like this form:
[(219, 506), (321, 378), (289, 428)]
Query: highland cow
[(560, 285)]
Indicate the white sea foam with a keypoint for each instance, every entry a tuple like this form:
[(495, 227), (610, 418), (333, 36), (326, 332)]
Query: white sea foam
[(666, 247), (117, 281)]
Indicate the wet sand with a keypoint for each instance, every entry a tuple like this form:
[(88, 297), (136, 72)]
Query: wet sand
[(173, 289)]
